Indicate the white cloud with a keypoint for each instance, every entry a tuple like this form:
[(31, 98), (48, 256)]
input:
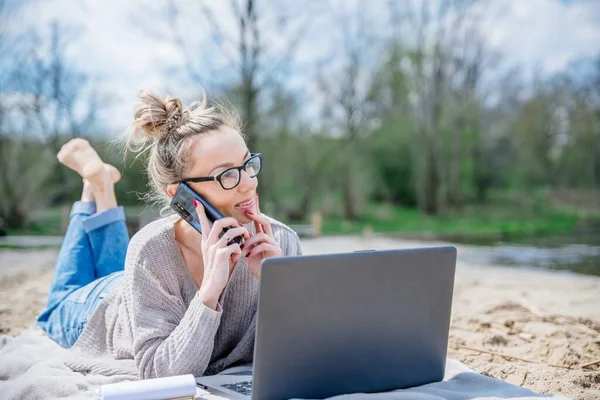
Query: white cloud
[(543, 33)]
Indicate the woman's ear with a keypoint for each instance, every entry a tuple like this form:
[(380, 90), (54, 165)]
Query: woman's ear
[(171, 189)]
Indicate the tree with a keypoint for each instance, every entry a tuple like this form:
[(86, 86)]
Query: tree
[(55, 88), (251, 38), (59, 102), (345, 81), (440, 65), (44, 102), (22, 181)]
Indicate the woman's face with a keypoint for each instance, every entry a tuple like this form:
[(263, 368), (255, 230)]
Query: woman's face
[(212, 153)]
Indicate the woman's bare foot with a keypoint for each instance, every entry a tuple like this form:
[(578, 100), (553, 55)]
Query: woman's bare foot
[(81, 157), (113, 172), (78, 155)]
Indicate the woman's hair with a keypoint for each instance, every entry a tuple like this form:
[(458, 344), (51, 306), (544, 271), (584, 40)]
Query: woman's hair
[(163, 128)]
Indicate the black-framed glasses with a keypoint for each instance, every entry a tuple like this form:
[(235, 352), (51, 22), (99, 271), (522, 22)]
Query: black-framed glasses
[(230, 177)]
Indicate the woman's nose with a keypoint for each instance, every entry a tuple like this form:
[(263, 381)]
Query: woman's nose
[(247, 183)]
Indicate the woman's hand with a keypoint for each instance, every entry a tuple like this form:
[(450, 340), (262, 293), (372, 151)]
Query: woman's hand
[(262, 245), (219, 258)]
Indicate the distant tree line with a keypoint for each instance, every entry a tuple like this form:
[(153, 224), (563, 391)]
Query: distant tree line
[(423, 116)]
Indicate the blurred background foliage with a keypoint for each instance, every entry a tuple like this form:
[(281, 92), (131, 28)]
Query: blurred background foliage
[(422, 130)]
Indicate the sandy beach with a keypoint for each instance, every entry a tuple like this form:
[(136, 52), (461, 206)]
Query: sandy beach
[(533, 328)]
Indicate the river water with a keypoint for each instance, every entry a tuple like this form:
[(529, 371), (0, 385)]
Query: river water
[(578, 253)]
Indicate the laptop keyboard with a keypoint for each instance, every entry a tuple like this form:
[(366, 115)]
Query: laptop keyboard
[(244, 388)]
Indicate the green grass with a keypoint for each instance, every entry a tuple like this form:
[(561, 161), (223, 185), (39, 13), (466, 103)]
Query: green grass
[(504, 218), (507, 216)]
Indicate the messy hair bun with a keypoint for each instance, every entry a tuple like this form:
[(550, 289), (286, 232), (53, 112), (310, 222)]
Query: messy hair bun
[(163, 128), (156, 117)]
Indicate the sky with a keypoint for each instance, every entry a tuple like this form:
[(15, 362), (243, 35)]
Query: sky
[(124, 46)]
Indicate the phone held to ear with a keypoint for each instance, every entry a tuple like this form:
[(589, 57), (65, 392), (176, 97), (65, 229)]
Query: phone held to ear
[(183, 204)]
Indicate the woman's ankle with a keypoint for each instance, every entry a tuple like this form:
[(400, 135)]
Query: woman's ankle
[(87, 194), (104, 196)]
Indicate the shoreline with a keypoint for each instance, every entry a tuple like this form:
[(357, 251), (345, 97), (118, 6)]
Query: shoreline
[(547, 317)]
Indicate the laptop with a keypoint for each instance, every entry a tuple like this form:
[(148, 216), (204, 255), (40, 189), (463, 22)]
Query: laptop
[(368, 321)]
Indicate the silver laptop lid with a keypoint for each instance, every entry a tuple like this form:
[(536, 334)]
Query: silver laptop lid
[(352, 322)]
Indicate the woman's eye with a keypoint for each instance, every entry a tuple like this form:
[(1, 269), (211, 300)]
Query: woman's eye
[(230, 174)]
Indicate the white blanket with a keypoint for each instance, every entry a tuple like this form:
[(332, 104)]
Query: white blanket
[(33, 367)]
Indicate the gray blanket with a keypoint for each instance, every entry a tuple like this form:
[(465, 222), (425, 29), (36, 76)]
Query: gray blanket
[(33, 367)]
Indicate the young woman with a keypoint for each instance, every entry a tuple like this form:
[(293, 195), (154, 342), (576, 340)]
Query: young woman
[(173, 300)]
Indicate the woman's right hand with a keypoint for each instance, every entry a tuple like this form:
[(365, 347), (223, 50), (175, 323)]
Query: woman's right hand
[(218, 257)]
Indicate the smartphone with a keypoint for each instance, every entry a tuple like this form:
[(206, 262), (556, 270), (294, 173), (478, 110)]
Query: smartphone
[(183, 204)]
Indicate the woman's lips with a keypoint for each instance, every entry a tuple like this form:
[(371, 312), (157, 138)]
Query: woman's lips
[(246, 205)]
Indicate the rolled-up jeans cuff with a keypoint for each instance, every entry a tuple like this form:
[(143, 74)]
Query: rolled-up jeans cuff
[(83, 207), (104, 218)]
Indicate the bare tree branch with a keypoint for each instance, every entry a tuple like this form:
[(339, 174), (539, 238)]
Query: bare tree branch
[(172, 20)]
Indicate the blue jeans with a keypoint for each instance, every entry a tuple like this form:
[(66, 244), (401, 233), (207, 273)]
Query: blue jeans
[(90, 263)]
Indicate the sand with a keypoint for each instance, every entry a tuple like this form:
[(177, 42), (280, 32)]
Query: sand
[(549, 318)]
